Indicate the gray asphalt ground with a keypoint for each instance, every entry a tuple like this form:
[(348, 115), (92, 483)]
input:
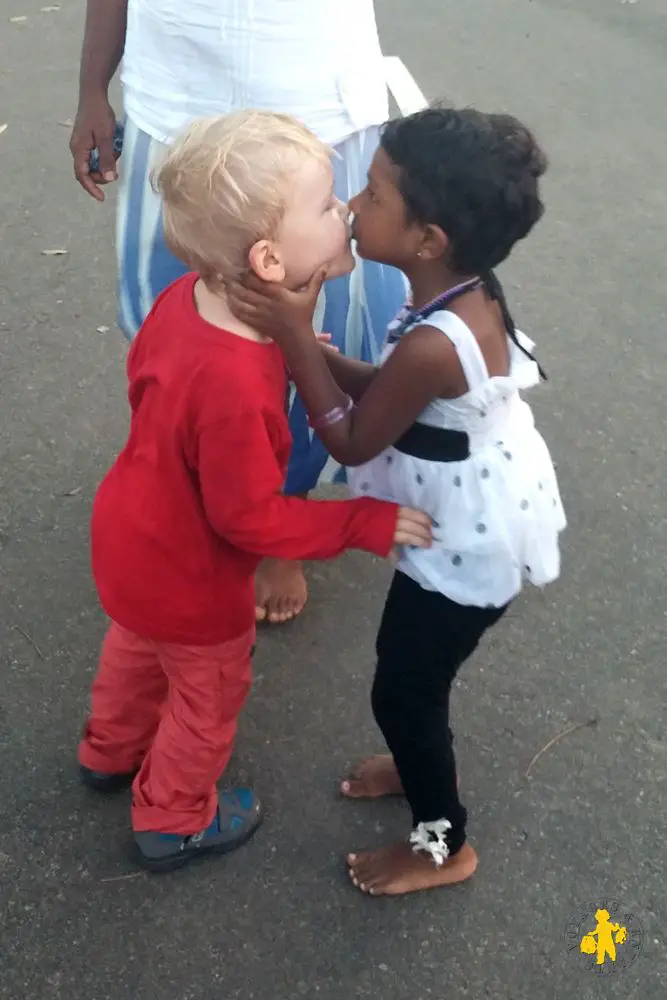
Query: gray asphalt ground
[(279, 920)]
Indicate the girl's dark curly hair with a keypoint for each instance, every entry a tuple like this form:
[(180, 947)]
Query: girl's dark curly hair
[(474, 175)]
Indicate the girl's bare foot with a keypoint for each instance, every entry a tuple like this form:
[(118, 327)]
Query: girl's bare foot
[(372, 778), (281, 591), (394, 871)]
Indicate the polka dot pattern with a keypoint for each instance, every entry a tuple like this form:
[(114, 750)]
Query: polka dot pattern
[(499, 509)]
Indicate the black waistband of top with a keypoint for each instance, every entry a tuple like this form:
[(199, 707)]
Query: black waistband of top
[(434, 444)]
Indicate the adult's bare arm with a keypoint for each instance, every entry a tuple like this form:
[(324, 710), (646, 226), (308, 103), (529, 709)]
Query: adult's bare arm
[(103, 45)]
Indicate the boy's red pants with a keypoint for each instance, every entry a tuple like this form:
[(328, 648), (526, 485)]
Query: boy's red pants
[(171, 711)]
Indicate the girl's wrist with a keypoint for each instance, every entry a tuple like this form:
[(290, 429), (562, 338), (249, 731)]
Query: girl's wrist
[(298, 339), (333, 416), (305, 331)]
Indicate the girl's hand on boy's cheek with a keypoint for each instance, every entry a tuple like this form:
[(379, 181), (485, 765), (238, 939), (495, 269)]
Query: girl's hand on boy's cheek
[(272, 309)]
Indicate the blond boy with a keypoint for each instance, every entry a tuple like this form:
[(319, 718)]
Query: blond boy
[(195, 500)]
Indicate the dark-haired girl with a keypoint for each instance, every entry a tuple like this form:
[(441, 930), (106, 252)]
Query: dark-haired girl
[(439, 425)]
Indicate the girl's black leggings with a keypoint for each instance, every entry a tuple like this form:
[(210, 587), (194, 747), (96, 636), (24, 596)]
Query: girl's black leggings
[(424, 638)]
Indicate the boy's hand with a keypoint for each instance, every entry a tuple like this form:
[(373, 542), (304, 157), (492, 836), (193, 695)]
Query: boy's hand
[(273, 310), (413, 527)]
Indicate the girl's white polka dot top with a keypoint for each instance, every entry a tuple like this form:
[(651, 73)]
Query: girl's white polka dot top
[(498, 513)]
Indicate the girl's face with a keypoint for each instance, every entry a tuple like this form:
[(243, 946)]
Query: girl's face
[(380, 227)]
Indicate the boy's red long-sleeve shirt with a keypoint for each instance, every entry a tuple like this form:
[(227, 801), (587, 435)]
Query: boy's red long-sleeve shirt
[(194, 500)]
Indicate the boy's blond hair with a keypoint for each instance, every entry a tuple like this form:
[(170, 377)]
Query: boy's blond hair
[(224, 183)]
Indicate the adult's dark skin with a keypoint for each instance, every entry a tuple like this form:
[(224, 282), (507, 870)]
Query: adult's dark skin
[(103, 45)]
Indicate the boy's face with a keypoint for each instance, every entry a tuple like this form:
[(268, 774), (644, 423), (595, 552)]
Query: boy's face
[(314, 232)]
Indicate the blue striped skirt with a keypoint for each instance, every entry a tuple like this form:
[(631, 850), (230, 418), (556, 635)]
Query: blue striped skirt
[(355, 309)]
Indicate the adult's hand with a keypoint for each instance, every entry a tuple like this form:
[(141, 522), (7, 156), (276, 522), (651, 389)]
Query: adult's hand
[(94, 127)]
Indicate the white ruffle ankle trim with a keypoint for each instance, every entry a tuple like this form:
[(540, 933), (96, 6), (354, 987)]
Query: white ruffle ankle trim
[(431, 838)]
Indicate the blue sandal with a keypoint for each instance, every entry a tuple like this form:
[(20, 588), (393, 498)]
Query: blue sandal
[(238, 816)]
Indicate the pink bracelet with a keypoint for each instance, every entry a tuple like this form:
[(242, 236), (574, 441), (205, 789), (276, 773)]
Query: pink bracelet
[(334, 416)]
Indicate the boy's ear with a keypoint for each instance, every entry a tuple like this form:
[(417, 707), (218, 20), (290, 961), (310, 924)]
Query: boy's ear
[(265, 260)]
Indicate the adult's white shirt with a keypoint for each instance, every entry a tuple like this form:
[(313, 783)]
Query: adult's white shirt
[(316, 60)]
